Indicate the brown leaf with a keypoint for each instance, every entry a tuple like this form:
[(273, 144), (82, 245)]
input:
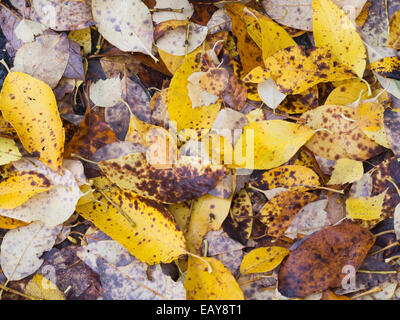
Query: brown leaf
[(317, 263)]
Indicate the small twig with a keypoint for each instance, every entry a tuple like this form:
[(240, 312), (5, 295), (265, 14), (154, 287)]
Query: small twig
[(373, 290)]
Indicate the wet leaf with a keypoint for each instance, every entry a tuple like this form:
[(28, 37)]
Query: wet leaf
[(263, 259), (200, 284), (33, 113), (317, 263)]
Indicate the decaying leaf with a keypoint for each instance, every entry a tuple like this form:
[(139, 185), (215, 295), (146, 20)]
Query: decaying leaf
[(341, 136), (334, 30), (22, 248), (63, 15), (388, 67), (215, 284), (45, 59), (33, 113), (278, 213), (125, 278), (263, 259), (317, 263), (317, 65)]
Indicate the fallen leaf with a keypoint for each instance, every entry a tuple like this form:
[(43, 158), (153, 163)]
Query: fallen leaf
[(27, 30), (114, 21), (33, 113), (346, 171), (317, 263), (184, 5), (219, 284), (263, 259), (369, 208), (388, 67), (22, 248), (152, 238), (22, 186), (334, 31), (41, 288), (269, 143), (63, 15), (106, 93), (394, 32), (278, 212), (8, 151)]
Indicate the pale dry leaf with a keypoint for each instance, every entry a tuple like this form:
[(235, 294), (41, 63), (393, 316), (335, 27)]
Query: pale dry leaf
[(173, 41), (198, 95), (63, 15), (106, 93), (185, 5), (27, 30), (22, 248), (269, 93), (45, 59), (219, 21), (125, 24), (125, 278), (51, 207)]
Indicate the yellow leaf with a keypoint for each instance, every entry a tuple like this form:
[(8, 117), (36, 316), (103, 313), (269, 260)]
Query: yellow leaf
[(292, 177), (273, 37), (346, 171), (189, 178), (255, 115), (10, 223), (208, 213), (153, 238), (263, 259), (41, 288), (250, 54), (334, 30), (242, 214), (342, 137), (295, 69), (8, 151), (268, 144), (179, 104), (393, 40), (18, 188), (278, 213), (181, 213), (369, 115), (388, 67), (369, 208), (171, 61), (216, 285), (257, 75), (83, 37), (30, 106), (347, 93)]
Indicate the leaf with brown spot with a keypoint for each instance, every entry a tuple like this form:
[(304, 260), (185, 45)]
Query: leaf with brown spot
[(92, 134), (392, 129), (295, 69), (278, 213), (293, 177), (153, 238), (388, 67), (250, 54), (317, 263), (300, 103), (393, 40), (340, 136), (30, 106), (189, 178), (242, 214), (18, 188)]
